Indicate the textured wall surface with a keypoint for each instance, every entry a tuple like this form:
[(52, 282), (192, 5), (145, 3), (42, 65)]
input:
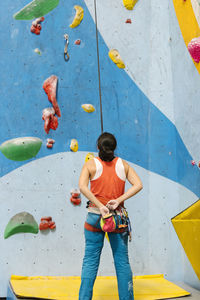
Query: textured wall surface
[(151, 106)]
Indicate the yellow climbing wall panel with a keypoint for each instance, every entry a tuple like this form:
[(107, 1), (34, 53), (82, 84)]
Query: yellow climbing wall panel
[(187, 226)]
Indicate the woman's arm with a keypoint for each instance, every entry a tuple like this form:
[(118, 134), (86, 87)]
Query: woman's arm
[(134, 179), (83, 185)]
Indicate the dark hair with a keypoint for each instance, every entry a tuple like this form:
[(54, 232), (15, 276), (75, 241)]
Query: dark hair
[(106, 144)]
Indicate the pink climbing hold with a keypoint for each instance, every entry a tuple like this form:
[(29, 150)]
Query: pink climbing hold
[(193, 163), (128, 21), (36, 26), (50, 120), (77, 42), (50, 87), (194, 49)]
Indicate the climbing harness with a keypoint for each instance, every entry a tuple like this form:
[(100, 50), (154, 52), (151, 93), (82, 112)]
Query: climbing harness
[(123, 221), (66, 55)]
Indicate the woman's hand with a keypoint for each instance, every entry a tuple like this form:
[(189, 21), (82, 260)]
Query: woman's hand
[(112, 204), (104, 210)]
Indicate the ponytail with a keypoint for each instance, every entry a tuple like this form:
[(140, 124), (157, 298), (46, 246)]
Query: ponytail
[(106, 144)]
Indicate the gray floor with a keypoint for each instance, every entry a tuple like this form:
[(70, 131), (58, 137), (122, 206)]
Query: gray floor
[(195, 294)]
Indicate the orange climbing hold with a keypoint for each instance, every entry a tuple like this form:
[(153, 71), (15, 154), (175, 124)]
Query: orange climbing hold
[(77, 42), (50, 87), (47, 223), (50, 120), (75, 196), (36, 26)]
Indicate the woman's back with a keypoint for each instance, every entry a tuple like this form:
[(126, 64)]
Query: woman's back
[(108, 181)]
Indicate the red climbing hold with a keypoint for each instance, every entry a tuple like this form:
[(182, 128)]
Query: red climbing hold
[(46, 223), (128, 21), (75, 200), (193, 162), (77, 42), (50, 87), (36, 26), (52, 225), (50, 143), (75, 196), (50, 120), (50, 146), (48, 219)]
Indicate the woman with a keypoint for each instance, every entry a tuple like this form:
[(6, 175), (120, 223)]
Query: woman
[(107, 175)]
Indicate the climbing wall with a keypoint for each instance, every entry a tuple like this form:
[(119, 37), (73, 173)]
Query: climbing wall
[(151, 105)]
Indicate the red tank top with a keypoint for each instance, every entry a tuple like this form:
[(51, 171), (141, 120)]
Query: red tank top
[(108, 185)]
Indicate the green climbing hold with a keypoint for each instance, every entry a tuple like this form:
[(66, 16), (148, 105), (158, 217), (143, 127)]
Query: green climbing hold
[(36, 9), (20, 149), (22, 222)]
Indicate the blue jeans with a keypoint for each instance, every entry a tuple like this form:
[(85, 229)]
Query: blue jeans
[(93, 247)]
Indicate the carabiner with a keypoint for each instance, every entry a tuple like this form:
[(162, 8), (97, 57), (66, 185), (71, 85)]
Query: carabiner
[(66, 55)]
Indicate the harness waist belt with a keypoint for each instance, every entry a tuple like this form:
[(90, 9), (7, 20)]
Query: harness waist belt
[(94, 229)]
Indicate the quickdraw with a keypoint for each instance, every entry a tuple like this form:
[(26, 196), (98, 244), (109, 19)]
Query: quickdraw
[(66, 55)]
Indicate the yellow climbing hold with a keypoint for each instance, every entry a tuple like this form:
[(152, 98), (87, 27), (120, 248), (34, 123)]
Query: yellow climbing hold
[(88, 108), (38, 51), (74, 145), (78, 16), (89, 156), (116, 58), (129, 4)]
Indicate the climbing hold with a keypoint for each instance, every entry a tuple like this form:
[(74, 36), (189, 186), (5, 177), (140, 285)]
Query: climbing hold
[(48, 219), (77, 42), (44, 225), (194, 49), (50, 120), (107, 223), (193, 163), (199, 164), (22, 148), (78, 17), (89, 156), (116, 58), (22, 222), (129, 4), (50, 87), (52, 225), (74, 145), (36, 26), (47, 223), (49, 146), (128, 21), (50, 143), (88, 107), (75, 196), (36, 9), (37, 50)]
